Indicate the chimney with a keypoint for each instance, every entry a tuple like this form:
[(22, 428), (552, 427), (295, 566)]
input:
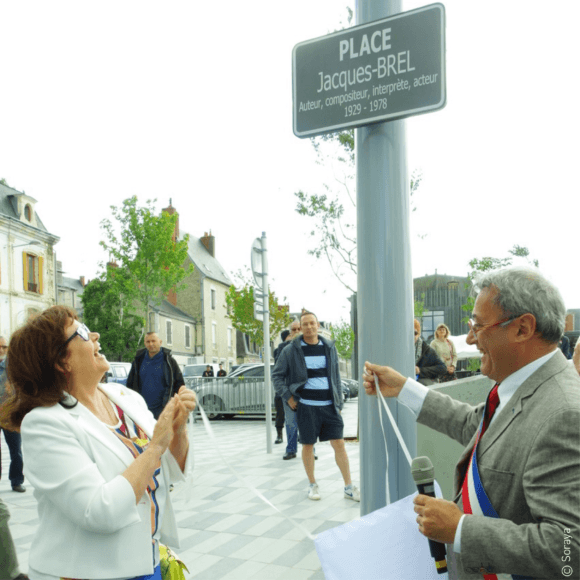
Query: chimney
[(209, 242), (172, 295), (82, 280), (171, 210)]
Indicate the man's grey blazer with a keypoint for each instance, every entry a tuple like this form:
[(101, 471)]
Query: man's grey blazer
[(529, 464)]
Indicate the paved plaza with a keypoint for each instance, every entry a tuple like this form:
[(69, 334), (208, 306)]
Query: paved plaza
[(227, 532)]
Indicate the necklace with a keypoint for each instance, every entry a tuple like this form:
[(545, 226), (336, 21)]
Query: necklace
[(111, 418)]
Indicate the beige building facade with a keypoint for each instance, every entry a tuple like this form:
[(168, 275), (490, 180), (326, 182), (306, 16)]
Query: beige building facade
[(27, 261)]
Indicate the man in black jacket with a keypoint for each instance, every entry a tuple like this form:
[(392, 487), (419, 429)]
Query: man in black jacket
[(155, 374), (307, 378)]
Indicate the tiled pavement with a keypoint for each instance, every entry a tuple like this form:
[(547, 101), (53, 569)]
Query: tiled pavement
[(227, 532)]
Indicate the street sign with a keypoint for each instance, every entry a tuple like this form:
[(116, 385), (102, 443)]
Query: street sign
[(256, 261), (259, 311), (380, 71)]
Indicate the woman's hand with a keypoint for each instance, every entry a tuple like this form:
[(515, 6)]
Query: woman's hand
[(417, 371), (185, 403), (163, 432), (390, 381)]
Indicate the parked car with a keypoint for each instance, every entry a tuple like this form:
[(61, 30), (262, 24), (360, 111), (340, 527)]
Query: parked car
[(250, 370), (118, 373), (240, 393), (345, 391), (352, 387)]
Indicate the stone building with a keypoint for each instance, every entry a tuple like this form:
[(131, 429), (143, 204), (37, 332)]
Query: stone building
[(27, 261), (175, 328), (203, 299), (69, 290)]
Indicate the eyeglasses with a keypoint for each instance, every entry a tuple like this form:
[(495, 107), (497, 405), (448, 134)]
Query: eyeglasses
[(475, 328), (3, 346), (81, 331)]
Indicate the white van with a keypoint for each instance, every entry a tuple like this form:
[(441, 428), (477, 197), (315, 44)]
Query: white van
[(198, 370)]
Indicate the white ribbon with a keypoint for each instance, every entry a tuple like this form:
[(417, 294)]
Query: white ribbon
[(397, 433), (210, 432)]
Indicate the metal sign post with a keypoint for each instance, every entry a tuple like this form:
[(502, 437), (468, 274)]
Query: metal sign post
[(385, 292), (259, 263)]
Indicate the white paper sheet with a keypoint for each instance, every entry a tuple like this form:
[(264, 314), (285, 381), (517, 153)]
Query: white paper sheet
[(383, 545)]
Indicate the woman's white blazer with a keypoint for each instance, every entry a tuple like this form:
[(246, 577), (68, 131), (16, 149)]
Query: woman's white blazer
[(90, 523)]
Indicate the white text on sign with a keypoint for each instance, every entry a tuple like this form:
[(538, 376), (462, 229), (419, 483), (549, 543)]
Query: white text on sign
[(379, 41)]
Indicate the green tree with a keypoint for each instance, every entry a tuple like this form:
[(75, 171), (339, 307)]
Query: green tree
[(240, 306), (343, 335), (150, 260), (333, 212), (420, 306), (105, 312)]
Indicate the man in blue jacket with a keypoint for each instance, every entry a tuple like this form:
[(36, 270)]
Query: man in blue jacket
[(307, 378), (155, 374)]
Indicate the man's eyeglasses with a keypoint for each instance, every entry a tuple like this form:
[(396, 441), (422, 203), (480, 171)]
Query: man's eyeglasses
[(81, 331), (475, 327)]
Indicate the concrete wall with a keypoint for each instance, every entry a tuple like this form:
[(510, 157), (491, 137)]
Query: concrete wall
[(443, 451)]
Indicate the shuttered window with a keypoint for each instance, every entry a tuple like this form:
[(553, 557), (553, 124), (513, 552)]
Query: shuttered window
[(32, 272)]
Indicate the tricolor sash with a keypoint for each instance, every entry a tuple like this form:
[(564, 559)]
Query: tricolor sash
[(476, 502)]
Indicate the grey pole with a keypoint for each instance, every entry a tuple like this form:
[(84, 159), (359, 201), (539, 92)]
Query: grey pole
[(267, 380), (385, 291)]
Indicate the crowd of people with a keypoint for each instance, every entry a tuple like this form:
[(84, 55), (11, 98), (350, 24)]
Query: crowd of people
[(102, 458)]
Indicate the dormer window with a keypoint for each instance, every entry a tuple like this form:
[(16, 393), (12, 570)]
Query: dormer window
[(28, 212)]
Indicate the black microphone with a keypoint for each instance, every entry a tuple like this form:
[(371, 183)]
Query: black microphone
[(423, 474)]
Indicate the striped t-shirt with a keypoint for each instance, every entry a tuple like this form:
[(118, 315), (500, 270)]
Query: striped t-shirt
[(316, 391)]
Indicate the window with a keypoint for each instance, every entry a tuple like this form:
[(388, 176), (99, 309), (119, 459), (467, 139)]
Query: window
[(212, 292), (429, 322), (32, 272), (230, 338), (28, 212), (187, 336), (169, 332), (213, 333), (152, 327)]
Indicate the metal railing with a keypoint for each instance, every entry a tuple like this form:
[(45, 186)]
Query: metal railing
[(230, 396)]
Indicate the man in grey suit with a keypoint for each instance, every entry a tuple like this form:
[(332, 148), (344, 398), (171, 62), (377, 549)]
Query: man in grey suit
[(528, 458)]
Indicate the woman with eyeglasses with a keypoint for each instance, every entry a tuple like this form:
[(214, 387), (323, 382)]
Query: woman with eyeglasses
[(100, 465), (428, 366)]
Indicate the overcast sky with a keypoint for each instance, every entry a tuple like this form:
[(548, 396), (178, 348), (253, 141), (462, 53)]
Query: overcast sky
[(192, 101)]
